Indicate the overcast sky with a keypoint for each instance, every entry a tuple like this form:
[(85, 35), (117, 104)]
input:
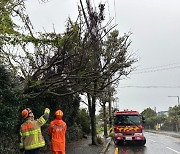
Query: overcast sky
[(155, 27)]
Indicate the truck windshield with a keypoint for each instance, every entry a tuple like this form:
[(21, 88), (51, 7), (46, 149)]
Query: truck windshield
[(127, 120)]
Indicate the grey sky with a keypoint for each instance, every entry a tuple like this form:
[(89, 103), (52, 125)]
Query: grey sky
[(155, 25)]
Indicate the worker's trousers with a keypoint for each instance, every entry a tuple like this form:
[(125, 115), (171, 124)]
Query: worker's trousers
[(34, 151), (58, 152)]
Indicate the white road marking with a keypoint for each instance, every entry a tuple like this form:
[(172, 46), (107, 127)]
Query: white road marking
[(152, 140), (173, 150)]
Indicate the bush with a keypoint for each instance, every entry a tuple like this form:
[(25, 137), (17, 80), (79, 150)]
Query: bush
[(84, 121), (73, 133)]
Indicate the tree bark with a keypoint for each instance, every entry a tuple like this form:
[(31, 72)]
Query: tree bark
[(93, 116), (110, 107), (105, 119), (89, 104)]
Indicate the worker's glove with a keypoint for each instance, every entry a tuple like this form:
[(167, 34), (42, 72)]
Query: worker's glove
[(46, 111), (21, 150)]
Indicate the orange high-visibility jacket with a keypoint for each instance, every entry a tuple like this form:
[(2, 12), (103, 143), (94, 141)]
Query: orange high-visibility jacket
[(57, 131)]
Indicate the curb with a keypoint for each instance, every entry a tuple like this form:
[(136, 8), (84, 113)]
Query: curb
[(106, 147)]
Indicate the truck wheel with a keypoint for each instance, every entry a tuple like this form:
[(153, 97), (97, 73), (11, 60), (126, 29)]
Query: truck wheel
[(117, 142), (143, 142), (121, 143)]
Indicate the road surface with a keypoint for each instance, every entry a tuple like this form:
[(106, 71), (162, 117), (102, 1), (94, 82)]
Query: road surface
[(155, 144)]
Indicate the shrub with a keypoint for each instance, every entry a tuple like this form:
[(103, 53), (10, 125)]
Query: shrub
[(83, 120)]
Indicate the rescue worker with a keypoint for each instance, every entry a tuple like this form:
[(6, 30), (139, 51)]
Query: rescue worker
[(30, 132), (57, 131)]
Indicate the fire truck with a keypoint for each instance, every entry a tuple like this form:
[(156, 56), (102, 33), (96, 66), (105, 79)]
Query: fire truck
[(127, 127)]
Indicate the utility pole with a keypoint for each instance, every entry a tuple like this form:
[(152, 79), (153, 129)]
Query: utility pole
[(177, 99)]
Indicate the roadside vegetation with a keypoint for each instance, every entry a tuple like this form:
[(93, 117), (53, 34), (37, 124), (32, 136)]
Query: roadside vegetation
[(41, 69), (168, 121)]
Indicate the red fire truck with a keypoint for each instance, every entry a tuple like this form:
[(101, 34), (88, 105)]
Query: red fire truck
[(127, 126)]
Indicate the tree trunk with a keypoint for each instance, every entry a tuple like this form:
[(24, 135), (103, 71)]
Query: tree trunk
[(93, 117), (177, 130), (89, 103), (105, 119), (110, 107)]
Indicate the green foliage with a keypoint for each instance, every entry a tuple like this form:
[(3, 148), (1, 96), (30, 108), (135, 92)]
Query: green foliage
[(100, 115), (167, 125), (9, 119), (9, 106), (161, 119), (174, 117), (83, 120), (6, 24), (99, 129), (163, 122), (174, 112), (150, 116), (68, 104), (148, 113), (66, 64)]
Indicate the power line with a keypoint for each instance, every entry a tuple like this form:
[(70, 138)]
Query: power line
[(160, 66), (149, 87), (155, 70)]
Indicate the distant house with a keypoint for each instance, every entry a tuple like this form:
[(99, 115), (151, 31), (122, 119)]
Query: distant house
[(163, 113)]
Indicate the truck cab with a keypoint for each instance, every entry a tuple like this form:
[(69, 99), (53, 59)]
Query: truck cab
[(127, 126)]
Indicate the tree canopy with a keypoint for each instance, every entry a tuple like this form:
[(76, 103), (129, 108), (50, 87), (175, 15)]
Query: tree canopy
[(53, 69)]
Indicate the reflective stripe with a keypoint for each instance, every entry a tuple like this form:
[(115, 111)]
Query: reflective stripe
[(32, 132), (59, 112), (42, 120), (34, 146), (36, 137)]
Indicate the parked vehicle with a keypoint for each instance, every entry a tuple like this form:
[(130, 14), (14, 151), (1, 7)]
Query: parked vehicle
[(127, 127)]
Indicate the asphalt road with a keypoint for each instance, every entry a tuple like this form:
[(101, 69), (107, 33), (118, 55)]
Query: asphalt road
[(155, 144)]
